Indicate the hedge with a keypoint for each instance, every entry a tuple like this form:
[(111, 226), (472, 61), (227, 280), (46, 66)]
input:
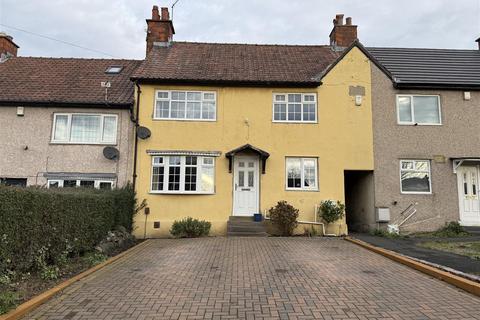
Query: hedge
[(39, 226)]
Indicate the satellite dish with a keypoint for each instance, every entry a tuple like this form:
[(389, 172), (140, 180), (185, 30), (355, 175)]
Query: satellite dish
[(111, 153), (143, 133)]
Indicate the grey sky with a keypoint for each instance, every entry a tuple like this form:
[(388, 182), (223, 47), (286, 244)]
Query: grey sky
[(118, 26)]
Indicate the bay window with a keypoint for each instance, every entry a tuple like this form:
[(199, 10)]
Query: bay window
[(182, 174), (82, 128)]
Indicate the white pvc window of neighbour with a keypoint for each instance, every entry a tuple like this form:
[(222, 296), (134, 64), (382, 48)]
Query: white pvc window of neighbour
[(415, 176), (183, 174), (301, 174), (185, 105), (82, 128), (84, 183), (295, 107), (418, 110)]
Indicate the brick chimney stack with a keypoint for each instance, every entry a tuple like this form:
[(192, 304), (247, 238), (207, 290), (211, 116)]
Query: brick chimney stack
[(342, 35), (159, 29), (8, 48)]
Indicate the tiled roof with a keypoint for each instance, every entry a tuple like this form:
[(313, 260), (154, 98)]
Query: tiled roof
[(65, 81), (430, 68), (184, 62)]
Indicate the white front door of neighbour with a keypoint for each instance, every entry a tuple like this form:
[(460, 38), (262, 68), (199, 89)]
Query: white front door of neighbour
[(468, 196), (245, 186)]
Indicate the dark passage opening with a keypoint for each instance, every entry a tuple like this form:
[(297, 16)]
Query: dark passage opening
[(359, 200)]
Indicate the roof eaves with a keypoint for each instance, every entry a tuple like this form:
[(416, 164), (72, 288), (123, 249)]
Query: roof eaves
[(234, 83), (10, 103)]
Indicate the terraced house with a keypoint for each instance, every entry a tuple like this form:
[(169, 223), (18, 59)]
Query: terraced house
[(230, 129), (426, 147), (65, 122)]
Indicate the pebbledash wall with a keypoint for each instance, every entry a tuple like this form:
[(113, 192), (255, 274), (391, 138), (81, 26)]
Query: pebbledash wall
[(29, 152), (455, 137), (342, 140)]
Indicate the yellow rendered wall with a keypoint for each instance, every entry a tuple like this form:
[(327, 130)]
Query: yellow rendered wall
[(342, 140)]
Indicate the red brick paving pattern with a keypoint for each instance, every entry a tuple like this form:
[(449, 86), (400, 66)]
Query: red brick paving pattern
[(258, 278)]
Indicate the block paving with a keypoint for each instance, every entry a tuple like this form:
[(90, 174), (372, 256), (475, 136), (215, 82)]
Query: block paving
[(258, 278)]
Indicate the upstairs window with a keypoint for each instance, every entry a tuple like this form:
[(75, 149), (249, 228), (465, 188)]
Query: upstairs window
[(182, 174), (295, 107), (81, 128), (185, 105), (418, 110)]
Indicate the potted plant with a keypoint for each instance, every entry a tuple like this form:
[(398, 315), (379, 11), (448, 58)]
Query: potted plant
[(331, 211)]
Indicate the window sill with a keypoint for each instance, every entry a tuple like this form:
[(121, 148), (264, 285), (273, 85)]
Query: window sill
[(419, 124), (83, 143), (295, 122), (417, 193), (302, 190), (180, 193), (185, 120)]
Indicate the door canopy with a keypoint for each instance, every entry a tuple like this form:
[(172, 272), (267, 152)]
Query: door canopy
[(247, 148)]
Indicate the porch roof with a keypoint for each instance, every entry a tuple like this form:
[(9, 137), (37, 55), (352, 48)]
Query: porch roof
[(247, 147)]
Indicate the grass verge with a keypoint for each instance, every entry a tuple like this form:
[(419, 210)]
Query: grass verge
[(469, 249)]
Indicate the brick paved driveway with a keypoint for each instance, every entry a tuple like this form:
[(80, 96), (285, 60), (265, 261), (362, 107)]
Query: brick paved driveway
[(258, 278)]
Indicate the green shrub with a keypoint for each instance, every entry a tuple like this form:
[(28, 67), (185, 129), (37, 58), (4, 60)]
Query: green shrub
[(284, 216), (190, 228), (94, 258), (450, 230), (331, 211), (42, 227), (385, 234), (8, 300)]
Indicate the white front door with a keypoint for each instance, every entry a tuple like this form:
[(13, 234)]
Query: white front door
[(245, 186), (468, 196)]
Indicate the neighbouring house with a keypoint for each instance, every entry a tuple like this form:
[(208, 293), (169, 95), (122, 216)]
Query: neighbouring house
[(231, 129), (427, 153), (65, 122)]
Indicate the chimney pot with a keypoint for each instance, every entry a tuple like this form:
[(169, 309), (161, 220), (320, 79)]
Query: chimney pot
[(155, 14), (478, 42), (165, 14), (349, 21), (339, 19)]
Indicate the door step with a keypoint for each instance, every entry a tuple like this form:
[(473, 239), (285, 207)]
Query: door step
[(245, 227)]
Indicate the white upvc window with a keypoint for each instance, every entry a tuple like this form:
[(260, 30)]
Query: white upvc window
[(419, 110), (295, 107), (83, 128), (301, 174), (185, 105), (183, 174), (84, 183), (415, 176)]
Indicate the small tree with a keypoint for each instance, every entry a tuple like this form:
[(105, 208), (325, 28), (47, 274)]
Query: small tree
[(331, 211), (284, 216)]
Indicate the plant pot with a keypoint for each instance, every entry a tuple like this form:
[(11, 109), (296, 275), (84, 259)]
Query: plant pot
[(257, 217)]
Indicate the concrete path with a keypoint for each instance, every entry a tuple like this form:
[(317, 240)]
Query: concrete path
[(409, 247), (258, 278)]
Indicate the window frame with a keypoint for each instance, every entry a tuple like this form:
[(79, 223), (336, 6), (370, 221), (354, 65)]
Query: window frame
[(302, 175), (69, 128), (414, 170), (166, 165), (412, 113), (302, 102), (96, 183), (169, 92)]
